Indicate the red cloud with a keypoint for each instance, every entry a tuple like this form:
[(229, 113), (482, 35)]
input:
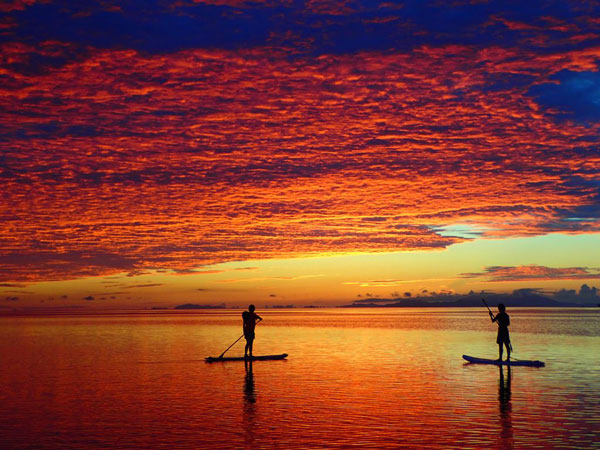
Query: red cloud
[(200, 157), (17, 5)]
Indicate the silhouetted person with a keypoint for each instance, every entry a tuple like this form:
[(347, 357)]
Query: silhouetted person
[(250, 319), (503, 338)]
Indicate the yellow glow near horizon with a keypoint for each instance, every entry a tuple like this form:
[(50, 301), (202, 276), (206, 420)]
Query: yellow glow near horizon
[(560, 261)]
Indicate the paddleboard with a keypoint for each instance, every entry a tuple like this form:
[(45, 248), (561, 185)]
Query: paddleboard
[(241, 358), (520, 362)]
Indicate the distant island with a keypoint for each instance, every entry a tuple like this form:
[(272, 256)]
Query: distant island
[(520, 298), (290, 306), (196, 306)]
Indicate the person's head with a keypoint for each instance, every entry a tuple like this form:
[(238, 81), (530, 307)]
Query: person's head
[(251, 308), (501, 307)]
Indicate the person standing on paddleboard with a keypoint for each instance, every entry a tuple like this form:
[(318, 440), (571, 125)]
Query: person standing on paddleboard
[(250, 319), (503, 338)]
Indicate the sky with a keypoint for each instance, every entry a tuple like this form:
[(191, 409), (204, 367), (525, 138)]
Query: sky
[(154, 153)]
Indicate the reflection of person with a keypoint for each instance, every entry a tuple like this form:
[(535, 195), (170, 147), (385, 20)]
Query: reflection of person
[(249, 407), (250, 319), (503, 338), (504, 389), (249, 384), (506, 434)]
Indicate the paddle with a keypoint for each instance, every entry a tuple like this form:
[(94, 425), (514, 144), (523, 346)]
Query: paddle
[(221, 355), (236, 341), (486, 305)]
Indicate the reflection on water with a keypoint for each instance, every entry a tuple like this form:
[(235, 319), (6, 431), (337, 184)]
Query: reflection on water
[(506, 434), (249, 405), (249, 383), (354, 379)]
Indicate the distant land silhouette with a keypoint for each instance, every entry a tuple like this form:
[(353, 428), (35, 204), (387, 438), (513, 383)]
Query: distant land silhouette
[(518, 298), (196, 306)]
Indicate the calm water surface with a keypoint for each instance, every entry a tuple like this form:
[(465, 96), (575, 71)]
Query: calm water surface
[(374, 379)]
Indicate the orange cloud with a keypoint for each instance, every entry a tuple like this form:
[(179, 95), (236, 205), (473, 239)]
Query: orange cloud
[(120, 161), (196, 272), (257, 279), (534, 272)]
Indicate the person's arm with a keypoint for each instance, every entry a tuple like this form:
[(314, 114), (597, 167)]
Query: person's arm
[(492, 317), (258, 318)]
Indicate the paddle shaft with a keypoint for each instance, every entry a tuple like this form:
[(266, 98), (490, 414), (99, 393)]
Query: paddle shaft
[(486, 305), (236, 341)]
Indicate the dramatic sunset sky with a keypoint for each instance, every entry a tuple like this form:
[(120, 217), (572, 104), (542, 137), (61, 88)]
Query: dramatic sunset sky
[(154, 153)]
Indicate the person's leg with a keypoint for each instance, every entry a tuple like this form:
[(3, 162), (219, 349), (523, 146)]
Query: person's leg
[(250, 342), (246, 348), (500, 351), (507, 350)]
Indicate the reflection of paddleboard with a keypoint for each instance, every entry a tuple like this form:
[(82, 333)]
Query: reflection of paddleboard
[(241, 358), (474, 360)]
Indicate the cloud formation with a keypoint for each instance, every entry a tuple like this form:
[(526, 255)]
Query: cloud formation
[(585, 294), (260, 279), (135, 286), (334, 128), (534, 272)]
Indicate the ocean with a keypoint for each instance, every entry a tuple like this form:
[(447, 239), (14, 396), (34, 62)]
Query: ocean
[(354, 378)]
